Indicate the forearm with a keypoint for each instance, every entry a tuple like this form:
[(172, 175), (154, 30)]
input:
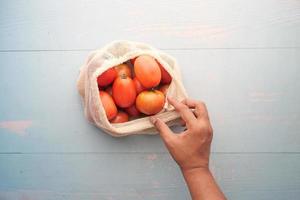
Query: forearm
[(202, 185)]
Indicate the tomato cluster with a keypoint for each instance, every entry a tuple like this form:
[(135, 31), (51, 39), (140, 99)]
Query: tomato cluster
[(133, 89)]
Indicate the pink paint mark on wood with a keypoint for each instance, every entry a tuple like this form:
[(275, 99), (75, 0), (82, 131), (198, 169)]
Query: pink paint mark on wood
[(19, 127), (25, 197), (213, 76), (151, 157), (279, 119), (263, 118), (192, 30), (221, 120), (206, 31), (264, 96), (155, 184), (110, 198), (135, 13)]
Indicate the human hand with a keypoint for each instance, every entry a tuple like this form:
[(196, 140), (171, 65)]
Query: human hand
[(190, 148)]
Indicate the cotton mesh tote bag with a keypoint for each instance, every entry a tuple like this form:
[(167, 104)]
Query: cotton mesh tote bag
[(111, 55)]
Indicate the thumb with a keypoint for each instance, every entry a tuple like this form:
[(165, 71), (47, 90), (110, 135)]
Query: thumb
[(164, 131)]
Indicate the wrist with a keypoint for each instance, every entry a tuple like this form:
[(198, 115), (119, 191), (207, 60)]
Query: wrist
[(195, 170), (202, 184)]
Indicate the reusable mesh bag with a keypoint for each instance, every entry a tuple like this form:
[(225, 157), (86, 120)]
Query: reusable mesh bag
[(112, 55)]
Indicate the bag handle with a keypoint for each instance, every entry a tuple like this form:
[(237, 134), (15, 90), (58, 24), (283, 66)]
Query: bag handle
[(134, 127)]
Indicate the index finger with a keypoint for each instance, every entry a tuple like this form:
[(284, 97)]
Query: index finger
[(165, 132), (200, 107), (184, 111)]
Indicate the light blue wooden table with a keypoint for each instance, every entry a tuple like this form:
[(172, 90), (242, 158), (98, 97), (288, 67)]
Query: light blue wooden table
[(241, 57)]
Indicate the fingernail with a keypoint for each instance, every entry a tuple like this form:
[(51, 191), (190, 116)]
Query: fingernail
[(153, 119)]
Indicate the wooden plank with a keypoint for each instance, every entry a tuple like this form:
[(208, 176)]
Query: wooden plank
[(143, 176), (252, 96), (65, 24)]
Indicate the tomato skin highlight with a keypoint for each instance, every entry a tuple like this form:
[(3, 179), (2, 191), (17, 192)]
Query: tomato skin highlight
[(120, 117), (133, 111), (107, 77), (164, 89), (150, 102), (147, 71), (165, 76), (123, 69), (108, 105), (138, 86), (124, 91)]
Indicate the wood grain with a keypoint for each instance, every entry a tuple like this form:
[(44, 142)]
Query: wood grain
[(139, 176), (241, 57), (65, 25), (251, 95)]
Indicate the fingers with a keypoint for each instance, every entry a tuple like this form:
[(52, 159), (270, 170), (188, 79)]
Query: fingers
[(184, 111), (164, 131), (200, 107)]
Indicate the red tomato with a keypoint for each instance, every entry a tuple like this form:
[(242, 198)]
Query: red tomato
[(107, 77), (108, 104), (165, 76), (132, 111), (147, 71), (123, 69), (109, 90), (120, 118), (164, 89), (138, 86), (150, 102), (124, 92), (100, 88)]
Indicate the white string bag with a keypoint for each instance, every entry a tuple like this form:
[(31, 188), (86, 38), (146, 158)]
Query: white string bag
[(112, 55)]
